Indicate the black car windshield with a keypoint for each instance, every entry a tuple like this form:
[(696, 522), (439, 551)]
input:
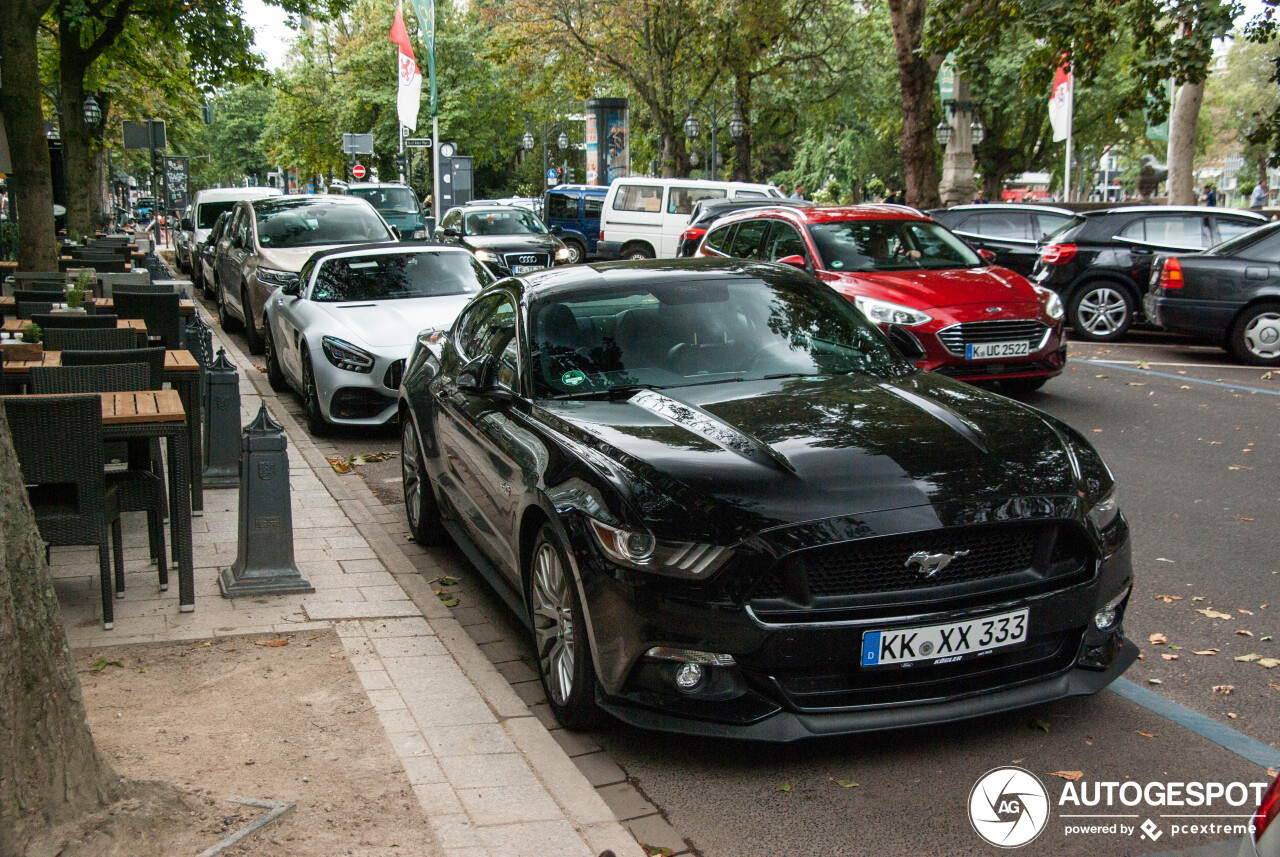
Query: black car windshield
[(698, 331), (388, 200), (388, 276), (207, 212), (317, 223), (506, 221), (890, 245)]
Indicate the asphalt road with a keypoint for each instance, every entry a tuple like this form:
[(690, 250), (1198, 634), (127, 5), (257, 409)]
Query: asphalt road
[(1195, 461)]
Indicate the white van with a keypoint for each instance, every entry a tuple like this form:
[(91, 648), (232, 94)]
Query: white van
[(205, 209), (643, 218)]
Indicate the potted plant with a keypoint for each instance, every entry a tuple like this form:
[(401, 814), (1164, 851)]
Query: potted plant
[(27, 349), (76, 291), (31, 332)]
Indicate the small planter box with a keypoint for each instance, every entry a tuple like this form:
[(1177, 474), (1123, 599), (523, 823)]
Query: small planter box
[(69, 311), (16, 350)]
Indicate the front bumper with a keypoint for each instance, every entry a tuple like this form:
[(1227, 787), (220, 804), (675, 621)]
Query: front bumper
[(1047, 361), (355, 398)]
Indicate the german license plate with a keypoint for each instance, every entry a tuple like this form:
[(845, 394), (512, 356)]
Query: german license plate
[(944, 643), (524, 269), (996, 350)]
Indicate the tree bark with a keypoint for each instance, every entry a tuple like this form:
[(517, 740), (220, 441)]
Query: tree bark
[(76, 159), (742, 145), (917, 73), (1182, 144), (50, 769), (30, 182)]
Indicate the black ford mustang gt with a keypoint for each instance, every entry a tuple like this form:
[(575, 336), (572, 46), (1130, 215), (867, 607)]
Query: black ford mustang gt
[(726, 505)]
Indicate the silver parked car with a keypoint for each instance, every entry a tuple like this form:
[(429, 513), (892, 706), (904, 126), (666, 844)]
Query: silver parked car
[(341, 332)]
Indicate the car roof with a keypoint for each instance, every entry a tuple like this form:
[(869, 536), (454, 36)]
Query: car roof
[(1003, 206), (376, 185), (830, 213), (383, 248), (549, 281), (1173, 209), (489, 206), (580, 188), (296, 200), (222, 194)]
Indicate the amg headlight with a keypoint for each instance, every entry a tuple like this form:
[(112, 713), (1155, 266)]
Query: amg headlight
[(486, 256), (641, 551), (1051, 302), (883, 312), (276, 279), (344, 355), (1104, 512)]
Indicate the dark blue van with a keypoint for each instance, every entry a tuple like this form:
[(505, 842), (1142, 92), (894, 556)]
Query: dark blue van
[(576, 208)]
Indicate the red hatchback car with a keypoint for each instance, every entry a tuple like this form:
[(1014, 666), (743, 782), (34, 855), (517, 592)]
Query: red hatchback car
[(973, 321)]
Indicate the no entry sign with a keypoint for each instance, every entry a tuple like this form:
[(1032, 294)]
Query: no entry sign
[(358, 171)]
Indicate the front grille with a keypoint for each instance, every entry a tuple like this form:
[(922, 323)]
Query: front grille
[(395, 373), (358, 403), (956, 337), (542, 260)]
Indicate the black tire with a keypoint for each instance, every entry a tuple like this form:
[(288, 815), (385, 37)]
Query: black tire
[(577, 253), (252, 337), (317, 425), (420, 506), (275, 375), (229, 322), (1255, 337), (636, 251), (560, 630), (1022, 386), (1101, 311)]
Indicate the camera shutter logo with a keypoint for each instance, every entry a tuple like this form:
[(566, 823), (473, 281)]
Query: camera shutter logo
[(1009, 807)]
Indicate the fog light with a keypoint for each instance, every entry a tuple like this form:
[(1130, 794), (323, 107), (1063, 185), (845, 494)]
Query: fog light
[(689, 677), (1106, 618)]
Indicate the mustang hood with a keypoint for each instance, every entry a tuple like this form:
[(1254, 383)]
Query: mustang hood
[(751, 455), (393, 322), (927, 289)]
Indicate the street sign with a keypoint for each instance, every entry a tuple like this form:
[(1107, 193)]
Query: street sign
[(417, 142), (358, 171), (143, 135), (357, 144)]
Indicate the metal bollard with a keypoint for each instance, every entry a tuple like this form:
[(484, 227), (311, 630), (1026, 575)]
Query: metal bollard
[(264, 552), (198, 339), (222, 425)]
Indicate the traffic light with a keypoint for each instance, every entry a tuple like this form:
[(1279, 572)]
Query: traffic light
[(559, 175), (402, 163)]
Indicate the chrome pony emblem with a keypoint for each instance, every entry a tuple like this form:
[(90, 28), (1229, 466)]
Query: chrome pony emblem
[(930, 564)]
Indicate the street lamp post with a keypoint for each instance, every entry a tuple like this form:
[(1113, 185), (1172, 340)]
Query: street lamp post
[(714, 113), (548, 128)]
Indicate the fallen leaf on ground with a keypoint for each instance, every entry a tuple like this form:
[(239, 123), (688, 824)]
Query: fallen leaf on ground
[(1157, 639), (1175, 648), (1142, 364), (340, 465), (1170, 657), (1269, 663), (1154, 681), (1162, 559), (1168, 599), (1042, 725), (1249, 658), (1102, 376), (1067, 775), (1232, 715), (1223, 689), (785, 787), (846, 784), (1242, 518), (1243, 633), (1136, 384), (656, 850), (1244, 611), (1238, 467), (260, 368), (283, 641), (449, 602), (1205, 652), (1213, 614), (1266, 639), (1196, 598), (1273, 686), (1143, 734), (102, 663), (449, 581)]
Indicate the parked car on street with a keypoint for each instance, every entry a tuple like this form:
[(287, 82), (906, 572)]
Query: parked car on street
[(182, 242), (398, 205), (708, 211), (507, 238), (206, 207), (1229, 295), (955, 313), (340, 334), (1012, 232), (1099, 262), (206, 256), (724, 504), (267, 241), (575, 208)]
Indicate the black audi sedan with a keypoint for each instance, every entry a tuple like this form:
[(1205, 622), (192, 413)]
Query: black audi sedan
[(1229, 295), (507, 238), (1100, 261), (724, 504)]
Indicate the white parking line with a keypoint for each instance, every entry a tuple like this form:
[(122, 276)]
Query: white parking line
[(1187, 365)]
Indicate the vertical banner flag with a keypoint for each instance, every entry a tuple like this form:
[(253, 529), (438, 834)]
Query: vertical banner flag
[(1060, 104), (410, 94), (426, 10)]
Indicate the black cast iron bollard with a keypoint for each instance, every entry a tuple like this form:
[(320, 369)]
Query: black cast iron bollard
[(264, 552), (222, 425)]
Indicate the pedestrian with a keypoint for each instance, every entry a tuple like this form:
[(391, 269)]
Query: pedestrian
[(1210, 196), (799, 194), (782, 189), (1258, 199)]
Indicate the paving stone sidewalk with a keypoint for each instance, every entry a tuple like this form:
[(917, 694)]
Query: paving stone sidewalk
[(490, 778)]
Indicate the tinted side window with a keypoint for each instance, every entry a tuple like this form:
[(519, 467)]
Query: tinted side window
[(783, 241), (1229, 228), (592, 206), (1173, 230), (683, 198), (489, 327), (965, 224), (1266, 250), (632, 197), (561, 206), (746, 242), (718, 240), (1013, 225), (1051, 223)]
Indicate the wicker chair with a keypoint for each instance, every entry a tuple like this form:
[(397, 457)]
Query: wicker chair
[(141, 486), (159, 311), (72, 339), (41, 290), (72, 321), (26, 309), (69, 494)]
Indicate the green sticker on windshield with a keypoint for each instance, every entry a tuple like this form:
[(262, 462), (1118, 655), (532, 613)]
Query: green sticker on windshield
[(573, 378)]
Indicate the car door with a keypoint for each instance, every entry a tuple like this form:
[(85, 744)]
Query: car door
[(231, 258), (747, 241), (291, 320), (1009, 235), (784, 240), (1163, 233), (484, 481)]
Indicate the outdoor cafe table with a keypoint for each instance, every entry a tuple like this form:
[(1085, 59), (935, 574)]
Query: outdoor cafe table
[(186, 306), (181, 370), (159, 413), (15, 325)]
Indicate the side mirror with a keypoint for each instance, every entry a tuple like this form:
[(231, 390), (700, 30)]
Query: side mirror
[(292, 289), (451, 232), (477, 376), (186, 225), (988, 256), (395, 233), (906, 343), (796, 261), (556, 230)]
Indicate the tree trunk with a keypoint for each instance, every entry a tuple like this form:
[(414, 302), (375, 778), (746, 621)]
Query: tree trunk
[(76, 158), (917, 74), (31, 183), (742, 145), (1182, 144), (50, 769), (993, 185)]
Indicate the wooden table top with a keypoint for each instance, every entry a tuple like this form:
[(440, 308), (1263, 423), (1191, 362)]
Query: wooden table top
[(15, 325), (174, 361), (184, 304), (149, 406)]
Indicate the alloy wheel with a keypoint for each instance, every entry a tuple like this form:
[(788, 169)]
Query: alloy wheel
[(1262, 336), (1102, 311), (410, 472), (553, 622)]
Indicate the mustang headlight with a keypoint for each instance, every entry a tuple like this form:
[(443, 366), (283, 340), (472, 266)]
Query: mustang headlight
[(641, 551), (1052, 303), (276, 279), (883, 312), (1104, 512), (486, 256), (344, 355)]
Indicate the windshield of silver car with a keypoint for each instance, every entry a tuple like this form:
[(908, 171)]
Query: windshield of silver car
[(701, 331), (319, 223), (389, 276)]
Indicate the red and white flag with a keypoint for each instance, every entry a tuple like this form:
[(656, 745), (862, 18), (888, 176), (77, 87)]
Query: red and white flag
[(410, 93), (1060, 103)]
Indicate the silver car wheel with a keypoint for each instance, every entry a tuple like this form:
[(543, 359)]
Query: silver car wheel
[(1262, 336), (553, 622), (1102, 311)]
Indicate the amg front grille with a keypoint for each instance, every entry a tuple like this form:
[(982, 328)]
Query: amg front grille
[(524, 260), (956, 337)]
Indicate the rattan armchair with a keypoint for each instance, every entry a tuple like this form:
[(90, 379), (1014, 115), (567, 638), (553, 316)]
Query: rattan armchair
[(74, 321), (159, 311), (71, 339)]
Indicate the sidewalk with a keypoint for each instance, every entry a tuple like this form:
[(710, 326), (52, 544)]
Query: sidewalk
[(488, 776)]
